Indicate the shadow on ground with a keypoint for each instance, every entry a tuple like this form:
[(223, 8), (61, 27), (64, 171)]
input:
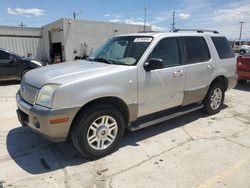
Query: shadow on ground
[(7, 83), (36, 155), (243, 87)]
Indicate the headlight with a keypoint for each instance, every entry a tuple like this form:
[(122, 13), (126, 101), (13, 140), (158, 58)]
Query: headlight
[(36, 62), (45, 95)]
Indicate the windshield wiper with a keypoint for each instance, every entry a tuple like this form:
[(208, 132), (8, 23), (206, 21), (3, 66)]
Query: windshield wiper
[(99, 59)]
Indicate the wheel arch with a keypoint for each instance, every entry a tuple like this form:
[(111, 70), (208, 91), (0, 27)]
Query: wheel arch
[(220, 79), (113, 101)]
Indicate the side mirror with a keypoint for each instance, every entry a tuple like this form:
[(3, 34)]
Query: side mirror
[(12, 60), (153, 64)]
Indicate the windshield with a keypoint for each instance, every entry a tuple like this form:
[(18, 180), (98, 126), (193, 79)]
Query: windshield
[(125, 50)]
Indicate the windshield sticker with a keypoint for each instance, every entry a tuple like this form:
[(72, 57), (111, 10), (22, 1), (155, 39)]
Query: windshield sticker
[(143, 40)]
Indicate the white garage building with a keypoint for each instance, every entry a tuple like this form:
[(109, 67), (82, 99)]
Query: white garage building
[(64, 38)]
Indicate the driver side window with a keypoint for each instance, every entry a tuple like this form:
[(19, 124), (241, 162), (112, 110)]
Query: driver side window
[(167, 50)]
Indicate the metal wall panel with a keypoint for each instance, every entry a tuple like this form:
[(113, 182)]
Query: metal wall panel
[(23, 46), (22, 40), (23, 31)]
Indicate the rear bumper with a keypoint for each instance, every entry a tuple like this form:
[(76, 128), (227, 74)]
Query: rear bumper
[(39, 118), (243, 75)]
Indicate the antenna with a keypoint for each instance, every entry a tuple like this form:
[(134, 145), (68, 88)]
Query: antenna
[(76, 14), (21, 24)]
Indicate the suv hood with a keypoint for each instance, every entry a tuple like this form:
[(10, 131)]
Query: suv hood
[(64, 73)]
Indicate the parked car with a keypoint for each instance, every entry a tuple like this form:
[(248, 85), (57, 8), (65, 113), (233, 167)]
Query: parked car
[(244, 49), (133, 81), (243, 69), (13, 66), (241, 47)]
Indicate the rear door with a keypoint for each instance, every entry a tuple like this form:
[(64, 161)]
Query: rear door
[(199, 68), (162, 88)]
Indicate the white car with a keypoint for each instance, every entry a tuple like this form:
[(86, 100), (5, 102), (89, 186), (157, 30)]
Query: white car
[(133, 81), (244, 49)]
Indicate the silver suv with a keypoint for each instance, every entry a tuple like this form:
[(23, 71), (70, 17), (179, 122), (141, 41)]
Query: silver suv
[(131, 82)]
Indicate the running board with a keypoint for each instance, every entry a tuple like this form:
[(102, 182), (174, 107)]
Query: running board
[(140, 124)]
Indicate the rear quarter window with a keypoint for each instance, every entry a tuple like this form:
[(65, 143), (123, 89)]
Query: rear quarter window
[(4, 55), (223, 47)]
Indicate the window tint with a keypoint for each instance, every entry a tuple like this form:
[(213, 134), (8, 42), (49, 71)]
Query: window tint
[(223, 47), (167, 50), (196, 49), (4, 55)]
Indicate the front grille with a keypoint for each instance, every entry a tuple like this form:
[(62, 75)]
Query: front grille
[(28, 92)]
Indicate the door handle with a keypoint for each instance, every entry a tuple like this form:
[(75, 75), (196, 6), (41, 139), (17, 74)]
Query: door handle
[(210, 67), (178, 73)]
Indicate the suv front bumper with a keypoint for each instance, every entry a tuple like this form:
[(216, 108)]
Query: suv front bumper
[(44, 120)]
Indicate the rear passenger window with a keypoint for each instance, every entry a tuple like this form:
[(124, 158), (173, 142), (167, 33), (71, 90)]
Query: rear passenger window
[(4, 55), (196, 49), (167, 50), (223, 47)]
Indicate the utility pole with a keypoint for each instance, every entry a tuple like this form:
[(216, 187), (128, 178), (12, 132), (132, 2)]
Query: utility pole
[(74, 15), (145, 16), (241, 25), (22, 25), (173, 23)]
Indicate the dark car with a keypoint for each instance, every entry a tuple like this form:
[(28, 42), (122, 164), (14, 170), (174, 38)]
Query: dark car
[(13, 66), (243, 68)]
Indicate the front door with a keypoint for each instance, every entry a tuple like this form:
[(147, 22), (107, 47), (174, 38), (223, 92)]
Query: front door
[(8, 69), (163, 88)]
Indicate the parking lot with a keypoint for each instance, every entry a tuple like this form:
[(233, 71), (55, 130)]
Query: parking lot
[(194, 150)]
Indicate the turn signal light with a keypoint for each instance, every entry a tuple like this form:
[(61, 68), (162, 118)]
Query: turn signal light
[(59, 120)]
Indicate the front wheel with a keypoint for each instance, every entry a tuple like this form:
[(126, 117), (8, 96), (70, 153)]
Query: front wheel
[(242, 52), (214, 99), (97, 132)]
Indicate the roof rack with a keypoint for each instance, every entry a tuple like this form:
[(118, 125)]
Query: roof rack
[(196, 30), (149, 31)]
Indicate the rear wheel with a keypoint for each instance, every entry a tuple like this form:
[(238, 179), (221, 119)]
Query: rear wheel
[(98, 131), (214, 99)]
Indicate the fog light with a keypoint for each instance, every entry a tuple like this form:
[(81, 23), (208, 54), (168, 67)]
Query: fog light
[(36, 123)]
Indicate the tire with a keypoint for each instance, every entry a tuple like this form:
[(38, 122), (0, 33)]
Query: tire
[(91, 137), (214, 99), (242, 52), (242, 81)]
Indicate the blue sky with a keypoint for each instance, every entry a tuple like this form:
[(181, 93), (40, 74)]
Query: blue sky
[(218, 15)]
